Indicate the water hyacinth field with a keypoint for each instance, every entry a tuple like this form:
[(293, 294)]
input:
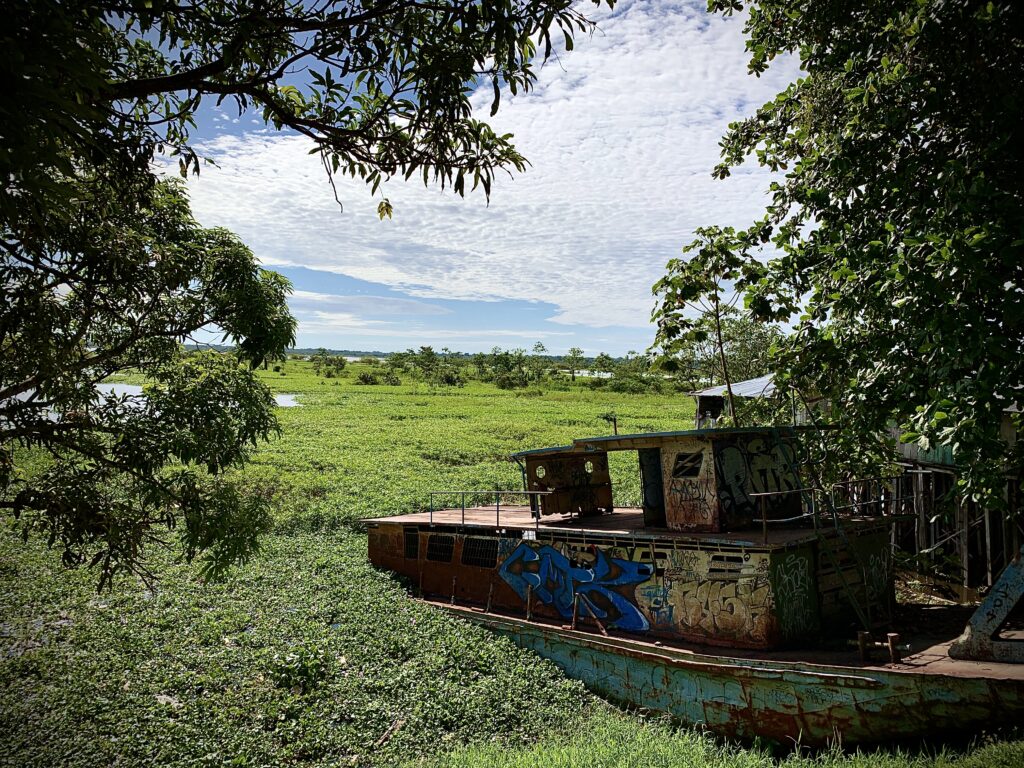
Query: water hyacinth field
[(308, 656)]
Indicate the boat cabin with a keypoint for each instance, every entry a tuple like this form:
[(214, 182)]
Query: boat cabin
[(725, 548), (698, 480)]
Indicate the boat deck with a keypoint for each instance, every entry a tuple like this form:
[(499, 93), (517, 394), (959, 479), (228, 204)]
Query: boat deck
[(929, 652), (622, 522)]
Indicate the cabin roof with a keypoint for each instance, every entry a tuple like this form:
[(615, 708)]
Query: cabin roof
[(762, 386), (649, 439)]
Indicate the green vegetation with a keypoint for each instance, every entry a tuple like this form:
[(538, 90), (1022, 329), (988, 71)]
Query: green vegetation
[(892, 239), (116, 287), (308, 656), (612, 740)]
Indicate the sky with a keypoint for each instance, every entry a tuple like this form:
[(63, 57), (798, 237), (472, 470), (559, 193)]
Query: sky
[(622, 134)]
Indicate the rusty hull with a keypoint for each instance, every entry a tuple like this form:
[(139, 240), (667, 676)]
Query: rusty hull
[(782, 701)]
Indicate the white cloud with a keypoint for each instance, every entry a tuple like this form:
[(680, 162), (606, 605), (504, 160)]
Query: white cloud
[(364, 305), (622, 134)]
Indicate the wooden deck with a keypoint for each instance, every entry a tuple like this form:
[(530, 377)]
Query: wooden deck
[(622, 522)]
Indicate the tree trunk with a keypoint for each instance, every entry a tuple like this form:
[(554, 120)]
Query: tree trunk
[(721, 357)]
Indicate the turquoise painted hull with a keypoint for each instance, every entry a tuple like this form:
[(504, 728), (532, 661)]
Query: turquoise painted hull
[(784, 702)]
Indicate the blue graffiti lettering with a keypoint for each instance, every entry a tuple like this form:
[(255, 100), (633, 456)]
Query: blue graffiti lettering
[(556, 581)]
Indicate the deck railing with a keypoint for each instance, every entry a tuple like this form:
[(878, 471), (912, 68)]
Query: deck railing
[(497, 495), (882, 503)]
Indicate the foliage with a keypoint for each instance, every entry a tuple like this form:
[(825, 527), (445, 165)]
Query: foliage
[(604, 363), (895, 231), (574, 360), (607, 738), (386, 91), (103, 267), (116, 288), (367, 377), (694, 356), (327, 365), (538, 361), (194, 673)]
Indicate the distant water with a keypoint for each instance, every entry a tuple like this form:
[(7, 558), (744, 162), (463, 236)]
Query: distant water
[(284, 400)]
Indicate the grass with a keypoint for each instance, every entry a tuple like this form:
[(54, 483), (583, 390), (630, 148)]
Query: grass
[(308, 656)]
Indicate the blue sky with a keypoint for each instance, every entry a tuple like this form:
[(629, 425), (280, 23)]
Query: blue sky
[(622, 134)]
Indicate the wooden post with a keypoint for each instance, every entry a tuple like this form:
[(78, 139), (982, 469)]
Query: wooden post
[(490, 594), (575, 608), (893, 641), (453, 590), (529, 602), (863, 644)]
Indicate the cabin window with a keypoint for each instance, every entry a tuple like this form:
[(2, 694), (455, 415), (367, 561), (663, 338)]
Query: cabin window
[(412, 543), (540, 471), (482, 553), (440, 547), (687, 465), (589, 467)]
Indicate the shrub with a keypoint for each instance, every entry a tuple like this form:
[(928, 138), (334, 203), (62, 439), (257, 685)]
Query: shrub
[(365, 377), (510, 381)]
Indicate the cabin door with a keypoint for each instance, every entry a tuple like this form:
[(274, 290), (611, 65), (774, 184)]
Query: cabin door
[(654, 490)]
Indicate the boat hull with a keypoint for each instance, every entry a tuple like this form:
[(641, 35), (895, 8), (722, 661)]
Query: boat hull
[(785, 702)]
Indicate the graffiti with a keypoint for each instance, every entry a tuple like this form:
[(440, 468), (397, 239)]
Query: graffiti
[(692, 496), (657, 599), (556, 580), (757, 466), (876, 577), (683, 566), (794, 593), (710, 595), (746, 597)]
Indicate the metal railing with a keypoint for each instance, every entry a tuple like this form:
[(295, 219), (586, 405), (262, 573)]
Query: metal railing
[(880, 501), (497, 496)]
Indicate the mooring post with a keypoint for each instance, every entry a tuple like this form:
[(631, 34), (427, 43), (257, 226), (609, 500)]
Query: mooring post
[(893, 640), (863, 643), (529, 602), (490, 594), (453, 590), (575, 608)]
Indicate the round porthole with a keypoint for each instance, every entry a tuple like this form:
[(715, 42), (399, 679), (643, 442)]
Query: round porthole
[(589, 467), (540, 471)]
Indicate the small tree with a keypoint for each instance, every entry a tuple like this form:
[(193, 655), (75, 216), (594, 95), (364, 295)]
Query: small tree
[(694, 300), (320, 360), (604, 363), (537, 360), (574, 359)]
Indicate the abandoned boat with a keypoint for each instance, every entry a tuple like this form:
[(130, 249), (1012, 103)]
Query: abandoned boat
[(733, 597)]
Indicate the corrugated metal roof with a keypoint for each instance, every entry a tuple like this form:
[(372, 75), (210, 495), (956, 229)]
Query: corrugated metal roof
[(762, 386)]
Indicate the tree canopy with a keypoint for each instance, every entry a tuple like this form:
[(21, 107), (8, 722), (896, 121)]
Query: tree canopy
[(118, 289), (892, 239), (104, 269)]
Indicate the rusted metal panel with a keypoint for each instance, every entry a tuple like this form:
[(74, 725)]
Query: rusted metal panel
[(785, 702), (712, 591), (578, 484), (981, 639), (688, 469), (751, 464)]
